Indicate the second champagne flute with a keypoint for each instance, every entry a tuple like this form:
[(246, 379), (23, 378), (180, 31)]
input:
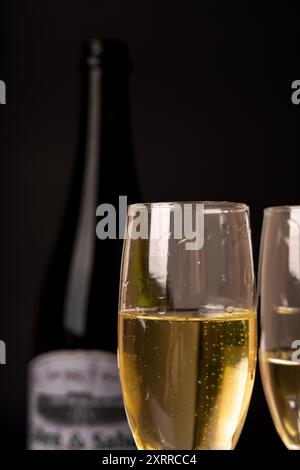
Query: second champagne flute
[(187, 324), (280, 319)]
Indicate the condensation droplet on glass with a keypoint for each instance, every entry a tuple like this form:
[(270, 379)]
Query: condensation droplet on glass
[(161, 311), (229, 309)]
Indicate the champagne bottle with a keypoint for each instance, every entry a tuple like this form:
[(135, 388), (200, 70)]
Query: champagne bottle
[(74, 395)]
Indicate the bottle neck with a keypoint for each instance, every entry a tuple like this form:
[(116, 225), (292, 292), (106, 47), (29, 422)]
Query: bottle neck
[(81, 265)]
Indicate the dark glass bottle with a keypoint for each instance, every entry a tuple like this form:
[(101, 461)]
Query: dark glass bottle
[(77, 400)]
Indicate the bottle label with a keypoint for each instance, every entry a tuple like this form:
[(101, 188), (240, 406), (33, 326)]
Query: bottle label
[(75, 402)]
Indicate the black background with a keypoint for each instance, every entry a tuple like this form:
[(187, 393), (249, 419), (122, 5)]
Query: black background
[(212, 118)]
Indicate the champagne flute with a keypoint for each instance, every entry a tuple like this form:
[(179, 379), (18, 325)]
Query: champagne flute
[(187, 324), (280, 319)]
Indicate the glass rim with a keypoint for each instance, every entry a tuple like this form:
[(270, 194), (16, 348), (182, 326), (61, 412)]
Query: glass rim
[(281, 209), (210, 207)]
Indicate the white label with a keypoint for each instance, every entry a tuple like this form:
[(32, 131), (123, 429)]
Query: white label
[(75, 402)]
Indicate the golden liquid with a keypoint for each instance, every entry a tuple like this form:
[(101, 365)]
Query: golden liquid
[(187, 379), (281, 380)]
